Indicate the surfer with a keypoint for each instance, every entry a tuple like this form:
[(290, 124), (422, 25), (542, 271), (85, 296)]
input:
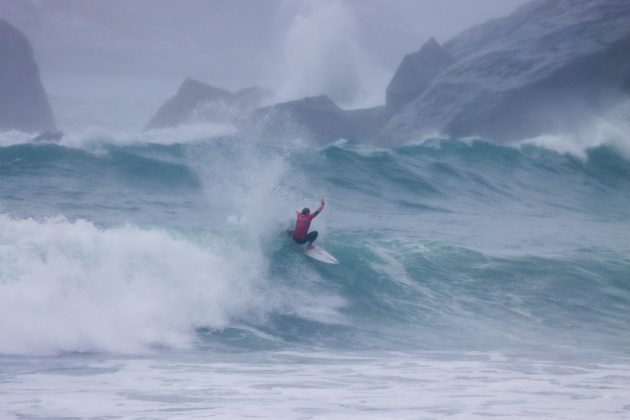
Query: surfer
[(301, 235)]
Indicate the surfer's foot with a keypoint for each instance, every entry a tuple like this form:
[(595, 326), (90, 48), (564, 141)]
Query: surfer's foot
[(310, 246)]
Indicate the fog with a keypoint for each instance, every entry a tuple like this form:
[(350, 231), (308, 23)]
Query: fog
[(113, 62)]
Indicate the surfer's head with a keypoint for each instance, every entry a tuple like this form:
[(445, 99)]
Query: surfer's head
[(306, 210)]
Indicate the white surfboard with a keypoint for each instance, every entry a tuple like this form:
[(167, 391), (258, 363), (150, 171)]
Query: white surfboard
[(315, 252), (320, 254)]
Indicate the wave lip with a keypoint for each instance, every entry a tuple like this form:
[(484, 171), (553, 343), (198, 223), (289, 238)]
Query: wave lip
[(91, 138)]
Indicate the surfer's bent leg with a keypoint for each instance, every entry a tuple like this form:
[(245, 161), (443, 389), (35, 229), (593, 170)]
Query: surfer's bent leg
[(310, 237), (299, 241)]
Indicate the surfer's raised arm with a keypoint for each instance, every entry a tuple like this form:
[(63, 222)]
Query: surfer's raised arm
[(321, 207)]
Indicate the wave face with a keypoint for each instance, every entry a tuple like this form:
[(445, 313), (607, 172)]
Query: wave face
[(115, 246)]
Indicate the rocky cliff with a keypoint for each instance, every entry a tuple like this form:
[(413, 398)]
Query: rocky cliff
[(544, 69), (24, 105)]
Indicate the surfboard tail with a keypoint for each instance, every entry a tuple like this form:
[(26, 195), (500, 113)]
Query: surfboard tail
[(320, 254)]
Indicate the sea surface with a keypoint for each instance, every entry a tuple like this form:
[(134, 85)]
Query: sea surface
[(149, 276)]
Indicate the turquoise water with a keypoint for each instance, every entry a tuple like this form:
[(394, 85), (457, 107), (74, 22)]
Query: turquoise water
[(123, 253)]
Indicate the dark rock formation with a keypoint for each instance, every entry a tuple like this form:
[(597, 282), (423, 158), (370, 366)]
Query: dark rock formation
[(196, 102), (415, 74), (23, 102), (316, 118), (545, 69)]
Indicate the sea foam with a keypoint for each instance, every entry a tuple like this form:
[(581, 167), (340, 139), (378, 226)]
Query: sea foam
[(72, 286)]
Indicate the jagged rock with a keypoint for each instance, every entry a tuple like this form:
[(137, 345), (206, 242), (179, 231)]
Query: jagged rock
[(545, 69), (196, 101), (24, 105), (415, 74)]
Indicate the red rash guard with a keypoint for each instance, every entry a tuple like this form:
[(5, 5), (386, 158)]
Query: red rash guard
[(302, 223)]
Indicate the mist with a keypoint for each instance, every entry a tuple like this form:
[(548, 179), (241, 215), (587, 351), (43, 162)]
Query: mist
[(112, 63)]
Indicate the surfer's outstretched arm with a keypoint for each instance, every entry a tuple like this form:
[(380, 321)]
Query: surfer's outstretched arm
[(321, 207)]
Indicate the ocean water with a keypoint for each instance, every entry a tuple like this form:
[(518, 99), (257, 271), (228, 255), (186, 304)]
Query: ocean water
[(149, 276)]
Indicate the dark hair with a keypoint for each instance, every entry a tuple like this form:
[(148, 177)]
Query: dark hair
[(306, 210)]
